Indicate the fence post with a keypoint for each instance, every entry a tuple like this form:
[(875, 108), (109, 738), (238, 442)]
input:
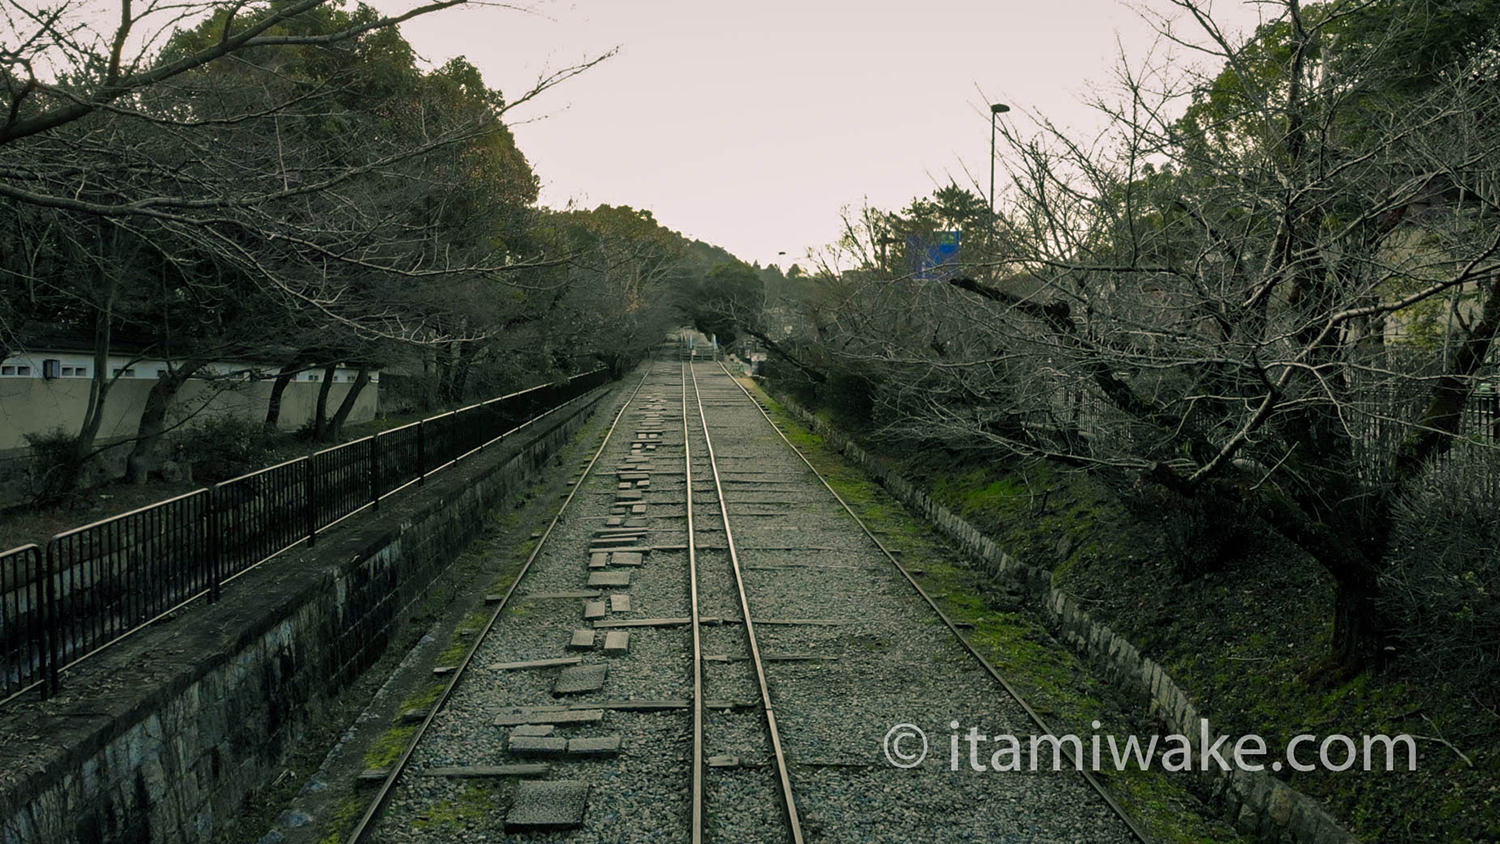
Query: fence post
[(421, 452), (51, 620), (311, 499), (375, 472), (215, 544), (455, 442)]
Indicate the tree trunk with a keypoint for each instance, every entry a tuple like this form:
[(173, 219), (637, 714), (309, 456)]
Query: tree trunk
[(143, 453), (1358, 635), (336, 425), (447, 373), (285, 376), (320, 413), (93, 415)]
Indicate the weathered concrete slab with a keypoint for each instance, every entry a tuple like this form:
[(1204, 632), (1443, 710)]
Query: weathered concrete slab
[(614, 521), (580, 679), (639, 549), (546, 715), (594, 746), (582, 640), (610, 542), (594, 609), (619, 602), (638, 509), (534, 730), (537, 663), (538, 745), (527, 769), (626, 558), (548, 805), (609, 578), (629, 495), (616, 642), (676, 621)]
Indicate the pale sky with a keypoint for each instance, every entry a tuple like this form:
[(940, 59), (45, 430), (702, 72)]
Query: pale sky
[(751, 124)]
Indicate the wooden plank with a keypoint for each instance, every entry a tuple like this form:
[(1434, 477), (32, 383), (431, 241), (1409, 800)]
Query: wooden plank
[(643, 622), (537, 663), (548, 715), (529, 769)]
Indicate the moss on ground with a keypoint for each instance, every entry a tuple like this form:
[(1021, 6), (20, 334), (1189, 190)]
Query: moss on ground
[(478, 803)]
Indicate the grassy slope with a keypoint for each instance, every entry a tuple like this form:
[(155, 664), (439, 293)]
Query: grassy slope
[(1243, 642), (1056, 684)]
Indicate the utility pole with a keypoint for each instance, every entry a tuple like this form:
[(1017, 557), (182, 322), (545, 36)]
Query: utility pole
[(996, 109)]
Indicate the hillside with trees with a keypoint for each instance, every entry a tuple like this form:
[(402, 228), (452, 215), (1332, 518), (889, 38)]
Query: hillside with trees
[(287, 184)]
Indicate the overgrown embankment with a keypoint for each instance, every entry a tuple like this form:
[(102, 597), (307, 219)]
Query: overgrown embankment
[(1239, 618)]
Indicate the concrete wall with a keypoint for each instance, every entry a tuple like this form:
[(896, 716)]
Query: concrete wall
[(1256, 802), (160, 737), (34, 405)]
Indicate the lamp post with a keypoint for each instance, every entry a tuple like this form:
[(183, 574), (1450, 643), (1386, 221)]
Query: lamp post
[(995, 111)]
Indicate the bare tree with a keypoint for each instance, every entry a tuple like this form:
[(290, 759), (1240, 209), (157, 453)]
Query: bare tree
[(290, 152), (1229, 304)]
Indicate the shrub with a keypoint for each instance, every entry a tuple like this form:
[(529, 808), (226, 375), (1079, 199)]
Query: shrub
[(223, 446), (1441, 589), (53, 467)]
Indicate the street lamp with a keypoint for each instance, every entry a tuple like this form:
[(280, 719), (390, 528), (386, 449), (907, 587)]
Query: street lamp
[(995, 110)]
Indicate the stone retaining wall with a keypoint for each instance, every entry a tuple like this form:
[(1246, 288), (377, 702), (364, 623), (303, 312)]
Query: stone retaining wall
[(159, 737), (1258, 803)]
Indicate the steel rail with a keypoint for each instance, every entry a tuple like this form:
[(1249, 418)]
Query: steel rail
[(388, 785), (1010, 690), (789, 801), (692, 551)]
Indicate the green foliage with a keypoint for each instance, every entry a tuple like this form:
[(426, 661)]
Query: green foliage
[(223, 446)]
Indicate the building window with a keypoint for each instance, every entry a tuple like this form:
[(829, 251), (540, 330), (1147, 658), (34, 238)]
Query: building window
[(23, 371), (7, 370), (125, 373)]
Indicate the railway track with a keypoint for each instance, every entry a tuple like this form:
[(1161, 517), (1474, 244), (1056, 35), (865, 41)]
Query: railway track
[(702, 647)]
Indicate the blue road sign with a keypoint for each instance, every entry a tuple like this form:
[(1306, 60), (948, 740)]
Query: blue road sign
[(933, 257)]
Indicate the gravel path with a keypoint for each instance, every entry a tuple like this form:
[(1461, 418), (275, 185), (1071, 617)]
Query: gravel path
[(850, 651)]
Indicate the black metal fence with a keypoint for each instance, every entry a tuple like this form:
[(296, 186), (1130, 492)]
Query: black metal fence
[(92, 585)]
